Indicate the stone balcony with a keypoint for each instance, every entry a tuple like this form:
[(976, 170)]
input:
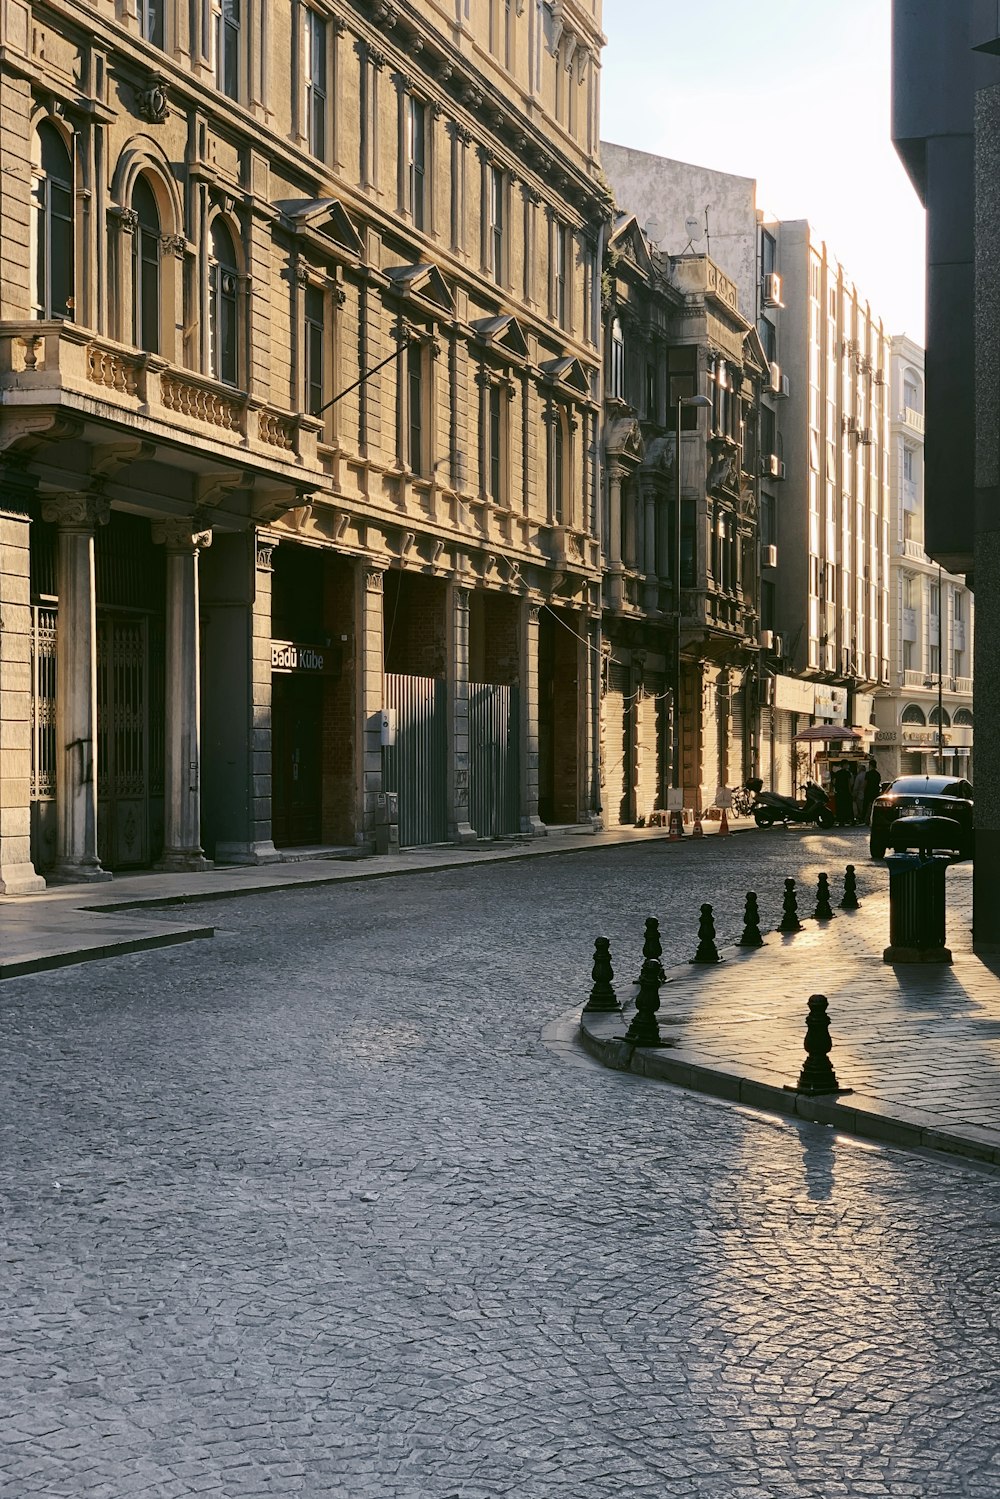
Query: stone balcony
[(56, 363)]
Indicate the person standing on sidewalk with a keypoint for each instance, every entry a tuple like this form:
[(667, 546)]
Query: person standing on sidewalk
[(842, 797), (873, 785), (858, 793)]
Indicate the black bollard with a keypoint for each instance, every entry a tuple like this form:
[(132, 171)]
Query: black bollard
[(751, 923), (707, 950), (790, 910), (644, 1030), (850, 901), (817, 1075), (824, 910), (652, 949), (603, 999)]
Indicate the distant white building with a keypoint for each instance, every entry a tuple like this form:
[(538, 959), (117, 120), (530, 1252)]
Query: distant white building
[(924, 720)]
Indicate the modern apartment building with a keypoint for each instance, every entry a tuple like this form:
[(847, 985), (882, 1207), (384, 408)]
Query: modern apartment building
[(823, 449), (683, 375), (299, 410), (924, 719)]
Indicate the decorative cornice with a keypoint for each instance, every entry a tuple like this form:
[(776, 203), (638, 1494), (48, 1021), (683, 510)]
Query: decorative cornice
[(181, 535), (77, 512)]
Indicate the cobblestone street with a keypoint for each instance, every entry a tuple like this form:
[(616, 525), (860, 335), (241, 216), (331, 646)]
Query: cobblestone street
[(311, 1209)]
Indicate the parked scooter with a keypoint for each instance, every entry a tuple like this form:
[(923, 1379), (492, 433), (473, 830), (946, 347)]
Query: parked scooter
[(813, 807)]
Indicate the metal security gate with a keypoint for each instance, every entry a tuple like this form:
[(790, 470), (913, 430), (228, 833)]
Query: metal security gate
[(416, 766), (43, 736), (129, 740), (494, 759)]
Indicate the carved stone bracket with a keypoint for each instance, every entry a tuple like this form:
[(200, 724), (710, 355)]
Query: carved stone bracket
[(173, 244), (374, 580), (151, 102), (128, 219)]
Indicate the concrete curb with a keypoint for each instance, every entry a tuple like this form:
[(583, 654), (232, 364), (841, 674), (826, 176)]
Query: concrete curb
[(856, 1115), (109, 948)]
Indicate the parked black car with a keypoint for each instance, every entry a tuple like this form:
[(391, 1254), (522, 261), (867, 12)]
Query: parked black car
[(932, 796)]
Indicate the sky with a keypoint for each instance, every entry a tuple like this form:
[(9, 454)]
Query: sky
[(795, 93)]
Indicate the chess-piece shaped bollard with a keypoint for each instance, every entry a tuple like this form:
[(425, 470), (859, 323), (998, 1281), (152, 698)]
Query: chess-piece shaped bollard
[(652, 948), (850, 901), (697, 831), (824, 910), (707, 950), (644, 1030), (751, 923), (603, 999), (817, 1075), (790, 910)]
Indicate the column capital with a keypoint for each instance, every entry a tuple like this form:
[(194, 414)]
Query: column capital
[(180, 535), (77, 512), (374, 578)]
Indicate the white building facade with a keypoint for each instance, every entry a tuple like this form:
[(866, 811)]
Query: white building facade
[(924, 719)]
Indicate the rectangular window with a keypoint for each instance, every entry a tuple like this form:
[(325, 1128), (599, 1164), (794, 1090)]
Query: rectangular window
[(769, 338), (151, 21), (681, 382), (908, 655), (314, 350), (495, 223), (956, 669), (495, 471), (316, 112), (651, 411), (557, 475), (908, 463), (415, 407), (768, 253), (908, 602), (416, 122), (935, 660), (227, 48), (559, 252), (767, 531), (935, 599), (959, 605)]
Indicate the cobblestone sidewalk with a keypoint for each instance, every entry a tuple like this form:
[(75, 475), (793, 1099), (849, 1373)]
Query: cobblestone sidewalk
[(918, 1045)]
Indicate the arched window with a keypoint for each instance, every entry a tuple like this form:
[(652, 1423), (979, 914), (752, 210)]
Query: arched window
[(52, 192), (913, 714), (146, 269), (939, 716), (223, 306), (617, 372), (963, 718)]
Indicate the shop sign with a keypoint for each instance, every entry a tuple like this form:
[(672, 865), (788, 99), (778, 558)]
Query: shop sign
[(928, 737), (886, 736), (792, 695), (864, 704), (290, 656), (831, 703)]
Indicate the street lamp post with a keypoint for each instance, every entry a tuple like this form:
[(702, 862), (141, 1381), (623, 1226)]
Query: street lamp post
[(676, 820), (940, 642)]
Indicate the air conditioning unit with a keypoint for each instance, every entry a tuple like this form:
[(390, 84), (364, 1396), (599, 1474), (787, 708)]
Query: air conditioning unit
[(770, 641), (852, 424), (786, 389), (775, 385), (772, 291), (773, 466), (865, 435), (769, 556), (879, 376)]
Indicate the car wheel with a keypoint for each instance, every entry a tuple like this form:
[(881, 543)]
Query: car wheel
[(876, 847)]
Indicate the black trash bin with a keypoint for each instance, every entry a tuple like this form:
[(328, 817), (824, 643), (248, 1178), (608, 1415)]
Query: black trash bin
[(917, 892)]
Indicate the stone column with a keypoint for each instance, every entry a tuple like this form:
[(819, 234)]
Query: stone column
[(530, 820), (77, 515), (370, 680), (460, 829), (182, 760), (17, 873)]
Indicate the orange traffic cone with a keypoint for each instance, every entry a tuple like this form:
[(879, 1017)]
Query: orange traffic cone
[(724, 828), (697, 831), (675, 827)]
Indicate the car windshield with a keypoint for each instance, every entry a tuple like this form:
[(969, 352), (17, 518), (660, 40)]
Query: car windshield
[(929, 786)]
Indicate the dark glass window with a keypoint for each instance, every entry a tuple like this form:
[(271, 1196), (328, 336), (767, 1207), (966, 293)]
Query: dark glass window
[(227, 47), (415, 391), (769, 338), (495, 243), (496, 427), (316, 82), (146, 269), (314, 350), (681, 382), (415, 159), (52, 191), (223, 306), (151, 21)]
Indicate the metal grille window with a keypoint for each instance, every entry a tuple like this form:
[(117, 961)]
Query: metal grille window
[(314, 342), (146, 270), (227, 47), (416, 122), (223, 307), (43, 703), (316, 83), (52, 193)]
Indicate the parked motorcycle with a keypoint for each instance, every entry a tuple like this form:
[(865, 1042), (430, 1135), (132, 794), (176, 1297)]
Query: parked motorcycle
[(813, 807)]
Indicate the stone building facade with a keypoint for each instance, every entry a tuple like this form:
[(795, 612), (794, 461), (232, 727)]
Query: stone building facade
[(674, 337), (931, 611), (299, 423)]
